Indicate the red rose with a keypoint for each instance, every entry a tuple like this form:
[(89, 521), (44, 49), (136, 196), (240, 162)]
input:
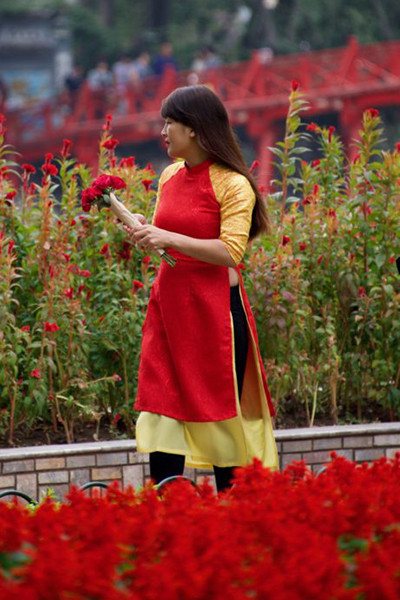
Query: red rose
[(295, 85), (285, 240), (36, 373), (147, 183), (111, 143)]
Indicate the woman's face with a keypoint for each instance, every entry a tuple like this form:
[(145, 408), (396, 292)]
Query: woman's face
[(179, 139)]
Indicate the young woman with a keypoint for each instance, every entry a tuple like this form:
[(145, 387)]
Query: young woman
[(202, 390)]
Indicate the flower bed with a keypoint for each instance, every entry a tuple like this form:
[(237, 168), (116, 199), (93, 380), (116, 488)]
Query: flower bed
[(278, 536)]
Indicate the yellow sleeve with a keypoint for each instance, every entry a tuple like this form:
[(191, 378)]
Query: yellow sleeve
[(237, 199), (165, 175)]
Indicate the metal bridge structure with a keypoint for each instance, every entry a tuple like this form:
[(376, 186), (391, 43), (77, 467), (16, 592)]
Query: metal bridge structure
[(344, 81)]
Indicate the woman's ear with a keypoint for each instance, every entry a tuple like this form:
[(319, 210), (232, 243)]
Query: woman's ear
[(192, 133)]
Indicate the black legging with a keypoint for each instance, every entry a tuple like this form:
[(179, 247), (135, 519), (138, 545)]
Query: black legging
[(163, 464)]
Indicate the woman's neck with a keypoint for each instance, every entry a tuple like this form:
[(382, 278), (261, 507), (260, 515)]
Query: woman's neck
[(196, 157)]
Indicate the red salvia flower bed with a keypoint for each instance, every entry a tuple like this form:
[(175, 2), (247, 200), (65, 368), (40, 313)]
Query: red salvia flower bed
[(278, 536)]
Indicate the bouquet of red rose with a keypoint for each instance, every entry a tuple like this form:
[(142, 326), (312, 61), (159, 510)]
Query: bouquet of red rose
[(101, 194)]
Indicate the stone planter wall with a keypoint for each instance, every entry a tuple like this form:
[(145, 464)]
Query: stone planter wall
[(34, 470)]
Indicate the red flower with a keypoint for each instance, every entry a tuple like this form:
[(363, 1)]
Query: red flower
[(111, 143), (36, 373), (366, 209), (125, 253), (332, 213), (331, 130), (316, 189), (108, 181), (51, 326), (392, 259), (69, 293), (302, 246), (136, 286), (49, 169), (149, 167), (285, 240), (26, 328), (73, 222), (105, 251), (117, 377), (372, 112), (65, 148), (352, 256), (117, 416), (48, 157), (107, 124), (316, 163), (313, 127), (295, 85), (147, 183), (361, 292), (11, 195), (320, 259), (307, 200), (11, 245), (254, 166), (85, 273), (127, 162), (28, 168), (146, 260), (397, 147), (242, 266), (79, 290)]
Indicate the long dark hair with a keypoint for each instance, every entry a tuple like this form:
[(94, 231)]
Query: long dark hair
[(199, 108)]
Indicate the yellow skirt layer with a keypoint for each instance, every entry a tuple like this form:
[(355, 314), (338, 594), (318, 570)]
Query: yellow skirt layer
[(230, 443)]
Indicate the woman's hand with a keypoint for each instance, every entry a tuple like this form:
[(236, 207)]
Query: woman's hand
[(150, 238)]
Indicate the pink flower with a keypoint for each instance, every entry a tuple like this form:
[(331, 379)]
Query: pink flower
[(50, 327), (285, 240), (36, 373), (117, 377)]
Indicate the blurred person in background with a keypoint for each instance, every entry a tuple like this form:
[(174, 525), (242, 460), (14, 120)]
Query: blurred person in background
[(73, 83), (100, 81), (164, 59)]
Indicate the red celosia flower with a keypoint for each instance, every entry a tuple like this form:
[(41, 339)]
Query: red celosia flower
[(366, 209), (146, 260), (316, 163), (65, 148), (105, 251), (11, 195), (127, 162), (242, 266), (36, 373), (320, 259), (332, 213), (254, 166), (126, 251), (136, 286), (51, 326), (397, 147), (306, 200), (107, 124), (111, 143), (73, 222), (373, 112), (295, 85), (302, 246), (11, 245), (331, 130), (285, 240), (352, 256), (147, 183), (80, 290), (69, 293), (49, 169), (316, 189), (361, 292), (392, 259), (313, 127), (102, 318), (85, 273), (108, 181), (26, 328)]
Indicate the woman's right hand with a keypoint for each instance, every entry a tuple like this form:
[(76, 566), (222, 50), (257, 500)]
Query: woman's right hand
[(140, 218)]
